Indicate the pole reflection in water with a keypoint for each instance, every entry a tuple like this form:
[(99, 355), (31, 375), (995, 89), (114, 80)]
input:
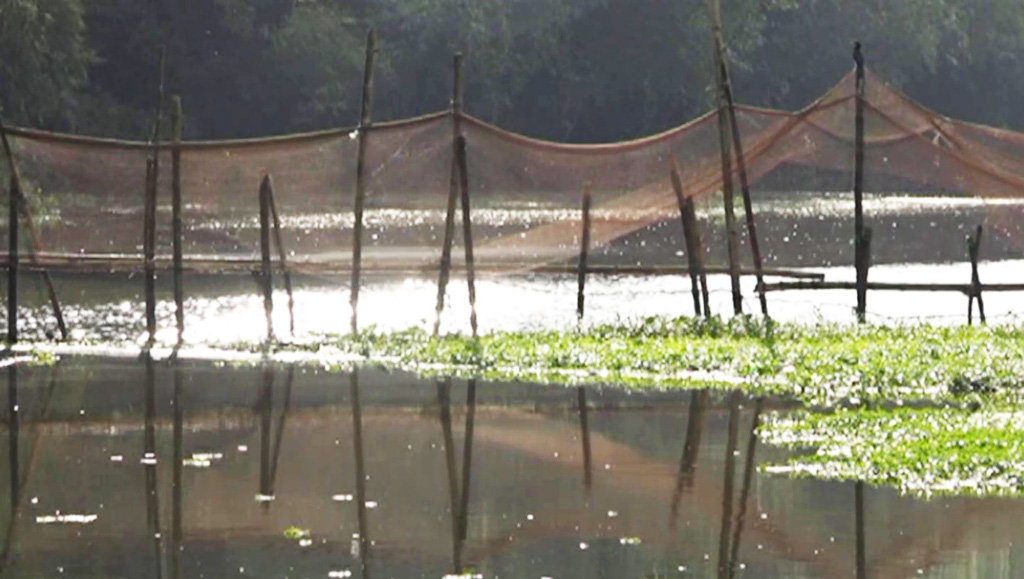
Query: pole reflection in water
[(467, 461), (357, 442), (748, 477), (859, 509), (444, 402), (279, 436), (588, 465), (266, 406), (149, 460), (19, 476), (691, 451), (727, 484), (176, 467)]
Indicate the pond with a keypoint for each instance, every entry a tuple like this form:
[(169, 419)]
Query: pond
[(142, 468)]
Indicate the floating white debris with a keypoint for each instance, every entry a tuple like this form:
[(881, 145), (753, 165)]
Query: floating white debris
[(629, 540), (306, 542), (529, 517), (195, 463), (613, 514), (264, 498), (371, 504), (35, 500), (243, 448), (339, 574), (70, 519), (464, 576), (681, 568), (341, 498), (584, 546), (116, 458)]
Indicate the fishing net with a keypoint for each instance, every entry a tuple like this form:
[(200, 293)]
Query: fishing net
[(88, 194)]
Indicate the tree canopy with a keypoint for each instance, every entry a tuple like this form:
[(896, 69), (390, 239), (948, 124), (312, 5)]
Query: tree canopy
[(578, 70)]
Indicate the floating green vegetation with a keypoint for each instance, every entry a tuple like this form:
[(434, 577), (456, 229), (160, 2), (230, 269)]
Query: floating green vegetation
[(920, 451), (821, 365)]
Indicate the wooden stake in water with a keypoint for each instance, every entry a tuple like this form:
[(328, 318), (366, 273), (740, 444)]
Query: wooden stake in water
[(149, 219), (858, 188), (12, 260), (444, 271), (584, 251), (35, 246), (360, 193), (467, 227), (973, 246), (694, 250), (266, 271), (282, 257), (176, 223), (724, 142)]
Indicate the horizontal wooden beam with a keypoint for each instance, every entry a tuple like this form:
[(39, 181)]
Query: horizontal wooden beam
[(964, 288)]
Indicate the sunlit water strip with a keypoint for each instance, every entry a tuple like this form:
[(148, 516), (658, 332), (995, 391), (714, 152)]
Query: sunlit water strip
[(529, 303)]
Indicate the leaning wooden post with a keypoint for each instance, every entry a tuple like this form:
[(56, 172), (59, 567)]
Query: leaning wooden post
[(282, 257), (724, 138), (360, 193), (687, 215), (973, 245), (467, 227), (444, 271), (581, 275), (266, 274), (176, 224), (858, 187), (26, 212), (741, 168), (12, 261)]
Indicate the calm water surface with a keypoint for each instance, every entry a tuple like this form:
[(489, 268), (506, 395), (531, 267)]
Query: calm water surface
[(134, 469)]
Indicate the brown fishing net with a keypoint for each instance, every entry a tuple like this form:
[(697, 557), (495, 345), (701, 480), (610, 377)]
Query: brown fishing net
[(88, 193)]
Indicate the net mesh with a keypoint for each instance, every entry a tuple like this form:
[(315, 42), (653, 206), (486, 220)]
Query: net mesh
[(88, 193)]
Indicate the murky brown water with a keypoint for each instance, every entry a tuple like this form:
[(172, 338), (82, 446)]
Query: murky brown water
[(488, 479)]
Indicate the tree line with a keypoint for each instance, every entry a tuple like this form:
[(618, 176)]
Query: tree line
[(573, 70)]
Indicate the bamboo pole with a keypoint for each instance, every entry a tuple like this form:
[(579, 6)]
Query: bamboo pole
[(729, 475), (741, 167), (581, 275), (694, 251), (12, 263), (858, 186), (360, 193), (724, 142), (14, 417), (266, 272), (282, 258), (35, 245), (588, 465), (444, 271), (149, 220), (357, 450), (973, 246), (149, 246), (467, 227), (176, 223)]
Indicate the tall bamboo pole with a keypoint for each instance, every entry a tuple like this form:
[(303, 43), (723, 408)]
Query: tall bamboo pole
[(176, 223), (858, 188), (365, 117), (149, 219), (34, 248), (282, 257), (694, 250), (581, 276), (462, 164), (266, 272), (724, 142), (12, 260), (444, 271)]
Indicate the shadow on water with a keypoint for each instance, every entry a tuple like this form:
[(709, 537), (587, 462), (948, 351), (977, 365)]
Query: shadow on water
[(521, 480)]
